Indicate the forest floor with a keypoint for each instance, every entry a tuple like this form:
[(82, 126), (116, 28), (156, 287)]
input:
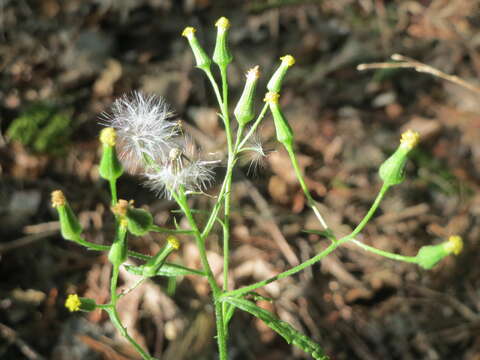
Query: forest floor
[(63, 63)]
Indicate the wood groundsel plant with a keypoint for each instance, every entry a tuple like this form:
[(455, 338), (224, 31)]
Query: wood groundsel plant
[(141, 133)]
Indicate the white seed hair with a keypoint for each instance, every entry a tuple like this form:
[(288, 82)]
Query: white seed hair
[(182, 169), (143, 128)]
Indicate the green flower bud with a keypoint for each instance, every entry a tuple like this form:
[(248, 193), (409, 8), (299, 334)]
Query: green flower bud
[(221, 54), (70, 228), (155, 263), (118, 251), (275, 82), (139, 221), (110, 167), (282, 128), (392, 171), (244, 111), (75, 303), (202, 59), (429, 256)]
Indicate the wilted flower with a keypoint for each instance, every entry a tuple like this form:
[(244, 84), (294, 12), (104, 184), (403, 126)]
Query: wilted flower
[(144, 131)]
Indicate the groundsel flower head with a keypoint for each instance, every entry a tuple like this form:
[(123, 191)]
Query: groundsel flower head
[(255, 154), (143, 128), (182, 169)]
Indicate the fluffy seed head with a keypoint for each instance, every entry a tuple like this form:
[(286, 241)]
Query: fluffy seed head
[(182, 169), (143, 128)]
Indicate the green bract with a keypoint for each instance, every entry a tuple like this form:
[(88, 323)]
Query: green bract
[(275, 82), (244, 111), (118, 252), (70, 228), (392, 171), (202, 59), (222, 55)]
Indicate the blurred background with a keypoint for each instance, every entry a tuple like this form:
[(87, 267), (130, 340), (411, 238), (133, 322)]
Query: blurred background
[(63, 62)]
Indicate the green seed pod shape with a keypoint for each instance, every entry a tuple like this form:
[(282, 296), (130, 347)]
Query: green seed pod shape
[(429, 256), (118, 251), (392, 171), (275, 82), (110, 167), (201, 58), (153, 265), (221, 54), (70, 228), (139, 221), (282, 128), (244, 111)]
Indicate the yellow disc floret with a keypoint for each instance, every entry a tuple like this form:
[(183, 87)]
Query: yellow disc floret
[(454, 244), (173, 241), (409, 139), (289, 60), (189, 32), (223, 23), (58, 198), (108, 136), (271, 97), (73, 302)]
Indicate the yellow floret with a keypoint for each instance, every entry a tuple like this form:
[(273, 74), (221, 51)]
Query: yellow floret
[(289, 60), (223, 23), (454, 244), (120, 208), (58, 198), (409, 139), (173, 241), (271, 97), (73, 302), (189, 32), (108, 136)]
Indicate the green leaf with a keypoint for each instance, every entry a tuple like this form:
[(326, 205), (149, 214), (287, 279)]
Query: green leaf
[(288, 332), (167, 269), (324, 233)]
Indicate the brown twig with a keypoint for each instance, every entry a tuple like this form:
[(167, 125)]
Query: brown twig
[(406, 62), (12, 337)]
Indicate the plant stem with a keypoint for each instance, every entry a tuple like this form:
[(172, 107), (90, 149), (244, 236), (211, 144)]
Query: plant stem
[(284, 274), (113, 191), (303, 185), (159, 229), (367, 217), (181, 199), (387, 254), (252, 130)]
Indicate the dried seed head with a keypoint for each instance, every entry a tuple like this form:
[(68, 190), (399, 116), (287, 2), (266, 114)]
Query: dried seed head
[(144, 132), (120, 208)]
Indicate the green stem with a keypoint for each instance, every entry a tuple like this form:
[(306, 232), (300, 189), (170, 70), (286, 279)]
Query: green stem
[(113, 284), (303, 185), (113, 191), (98, 247), (327, 251), (159, 229), (254, 126), (409, 259), (284, 274), (112, 312), (369, 215), (181, 199)]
